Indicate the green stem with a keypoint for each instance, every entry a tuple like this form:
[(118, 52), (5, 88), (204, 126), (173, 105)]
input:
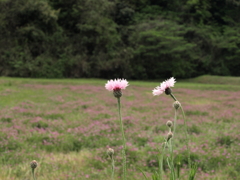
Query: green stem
[(113, 167), (173, 97), (175, 122), (171, 156), (187, 138), (186, 132), (172, 140), (33, 174), (172, 144), (160, 161), (123, 140)]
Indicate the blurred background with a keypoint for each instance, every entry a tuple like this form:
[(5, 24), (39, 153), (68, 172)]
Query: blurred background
[(134, 39)]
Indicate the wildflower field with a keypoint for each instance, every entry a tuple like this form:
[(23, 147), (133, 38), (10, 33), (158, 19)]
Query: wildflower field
[(68, 125)]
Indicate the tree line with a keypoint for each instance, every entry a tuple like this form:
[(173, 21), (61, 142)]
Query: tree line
[(137, 39)]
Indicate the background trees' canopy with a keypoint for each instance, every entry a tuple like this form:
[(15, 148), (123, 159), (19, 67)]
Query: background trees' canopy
[(138, 39)]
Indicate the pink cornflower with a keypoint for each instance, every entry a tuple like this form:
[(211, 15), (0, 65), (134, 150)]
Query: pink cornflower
[(116, 86), (165, 85)]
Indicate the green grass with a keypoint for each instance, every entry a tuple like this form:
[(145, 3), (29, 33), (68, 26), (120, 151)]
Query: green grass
[(67, 125), (220, 80)]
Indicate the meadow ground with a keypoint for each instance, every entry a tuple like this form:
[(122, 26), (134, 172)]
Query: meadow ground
[(67, 126)]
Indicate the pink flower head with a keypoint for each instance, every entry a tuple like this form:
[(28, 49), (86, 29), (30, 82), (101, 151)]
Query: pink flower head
[(116, 84), (164, 85)]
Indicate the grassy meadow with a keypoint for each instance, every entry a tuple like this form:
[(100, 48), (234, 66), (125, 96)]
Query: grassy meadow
[(67, 126)]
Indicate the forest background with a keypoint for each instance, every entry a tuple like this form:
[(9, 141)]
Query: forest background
[(137, 39)]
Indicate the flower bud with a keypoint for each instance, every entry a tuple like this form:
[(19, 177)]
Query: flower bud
[(117, 93), (33, 164), (169, 124), (110, 152), (176, 105), (168, 91), (169, 136)]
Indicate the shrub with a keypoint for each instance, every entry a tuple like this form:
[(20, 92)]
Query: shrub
[(225, 140), (40, 124), (194, 129), (6, 119)]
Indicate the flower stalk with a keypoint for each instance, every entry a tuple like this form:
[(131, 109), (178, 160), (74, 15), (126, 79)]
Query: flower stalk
[(160, 160), (110, 153), (165, 87), (123, 140), (116, 87), (33, 165), (33, 174), (187, 139)]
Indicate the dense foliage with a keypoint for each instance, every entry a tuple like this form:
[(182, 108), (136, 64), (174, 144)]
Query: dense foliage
[(138, 39)]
